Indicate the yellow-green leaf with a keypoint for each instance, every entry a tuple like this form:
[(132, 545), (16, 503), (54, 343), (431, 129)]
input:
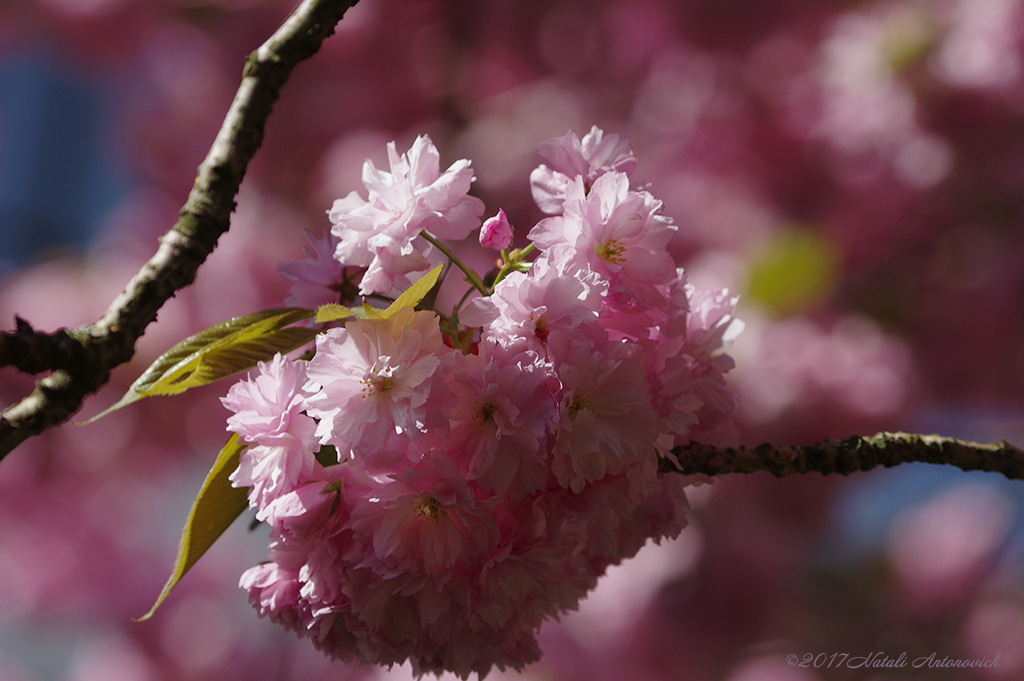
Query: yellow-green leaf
[(371, 312), (227, 348), (333, 312), (215, 508), (414, 293), (409, 298), (231, 355)]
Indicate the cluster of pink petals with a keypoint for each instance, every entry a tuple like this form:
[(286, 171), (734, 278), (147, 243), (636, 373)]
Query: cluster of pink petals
[(434, 505), (320, 278), (378, 232), (569, 158), (616, 232)]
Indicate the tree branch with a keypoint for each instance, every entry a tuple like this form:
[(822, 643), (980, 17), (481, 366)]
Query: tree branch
[(32, 352), (857, 453), (82, 359)]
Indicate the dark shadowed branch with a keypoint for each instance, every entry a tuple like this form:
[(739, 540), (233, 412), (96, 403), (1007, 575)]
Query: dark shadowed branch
[(857, 453), (81, 359)]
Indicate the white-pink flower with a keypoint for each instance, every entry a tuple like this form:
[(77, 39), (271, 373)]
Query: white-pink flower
[(377, 384), (570, 157), (545, 300), (269, 416), (268, 408), (615, 232), (425, 520), (475, 495), (711, 329), (378, 232), (274, 591)]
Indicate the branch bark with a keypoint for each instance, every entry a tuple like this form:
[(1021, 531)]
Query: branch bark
[(857, 453), (81, 359)]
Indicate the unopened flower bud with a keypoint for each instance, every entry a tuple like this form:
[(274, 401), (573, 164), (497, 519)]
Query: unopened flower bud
[(496, 232)]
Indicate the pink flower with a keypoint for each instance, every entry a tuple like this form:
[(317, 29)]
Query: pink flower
[(673, 380), (274, 591), (377, 384), (269, 472), (302, 512), (612, 537), (500, 423), (606, 420), (268, 409), (378, 232), (477, 494), (268, 415), (496, 232), (615, 232), (426, 520), (320, 278), (535, 304), (570, 158), (711, 328)]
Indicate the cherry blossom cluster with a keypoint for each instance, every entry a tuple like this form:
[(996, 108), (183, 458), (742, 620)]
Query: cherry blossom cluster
[(439, 484)]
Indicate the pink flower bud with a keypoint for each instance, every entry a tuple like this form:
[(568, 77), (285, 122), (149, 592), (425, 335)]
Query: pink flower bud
[(496, 232)]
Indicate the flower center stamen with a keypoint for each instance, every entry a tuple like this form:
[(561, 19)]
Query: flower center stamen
[(540, 329), (612, 251), (486, 413), (384, 386), (431, 508), (578, 402), (379, 385)]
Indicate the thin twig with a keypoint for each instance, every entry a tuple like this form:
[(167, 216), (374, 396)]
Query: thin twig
[(93, 350), (857, 453)]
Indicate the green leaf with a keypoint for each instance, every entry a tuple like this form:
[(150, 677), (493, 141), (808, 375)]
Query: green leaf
[(327, 455), (333, 312), (371, 312), (219, 351), (239, 352), (409, 298), (414, 293), (213, 511)]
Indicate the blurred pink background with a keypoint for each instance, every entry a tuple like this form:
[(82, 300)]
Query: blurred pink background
[(855, 170)]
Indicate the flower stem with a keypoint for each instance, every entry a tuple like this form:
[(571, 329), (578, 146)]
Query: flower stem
[(471, 276), (513, 263), (462, 301)]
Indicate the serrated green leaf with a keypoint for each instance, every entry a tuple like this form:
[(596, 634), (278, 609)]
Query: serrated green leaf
[(235, 353), (333, 312), (371, 312), (207, 348), (245, 354), (215, 508), (409, 298)]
